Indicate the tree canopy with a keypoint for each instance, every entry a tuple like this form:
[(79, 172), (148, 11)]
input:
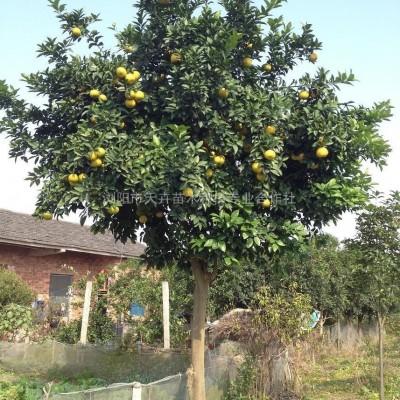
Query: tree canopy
[(196, 115)]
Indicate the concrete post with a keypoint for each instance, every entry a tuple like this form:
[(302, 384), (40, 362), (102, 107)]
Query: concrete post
[(86, 311), (136, 391), (165, 297)]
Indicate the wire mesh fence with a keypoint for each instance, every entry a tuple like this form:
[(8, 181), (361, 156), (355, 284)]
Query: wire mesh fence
[(170, 388), (107, 363), (156, 375), (142, 375)]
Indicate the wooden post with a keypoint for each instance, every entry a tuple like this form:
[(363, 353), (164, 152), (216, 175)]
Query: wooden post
[(165, 297), (86, 310)]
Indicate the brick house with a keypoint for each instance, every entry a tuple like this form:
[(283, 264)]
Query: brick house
[(37, 250)]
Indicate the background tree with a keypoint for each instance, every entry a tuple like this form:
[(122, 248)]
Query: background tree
[(320, 270), (377, 267), (194, 112), (235, 287)]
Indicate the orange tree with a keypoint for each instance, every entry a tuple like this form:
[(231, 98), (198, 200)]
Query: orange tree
[(195, 116)]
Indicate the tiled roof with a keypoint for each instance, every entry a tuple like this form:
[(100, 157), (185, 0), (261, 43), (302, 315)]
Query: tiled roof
[(26, 230)]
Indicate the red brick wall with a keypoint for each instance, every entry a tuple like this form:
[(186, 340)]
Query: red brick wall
[(36, 270)]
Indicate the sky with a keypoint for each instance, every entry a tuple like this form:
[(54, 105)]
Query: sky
[(357, 35)]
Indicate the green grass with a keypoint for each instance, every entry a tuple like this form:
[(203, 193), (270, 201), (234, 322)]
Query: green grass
[(351, 376)]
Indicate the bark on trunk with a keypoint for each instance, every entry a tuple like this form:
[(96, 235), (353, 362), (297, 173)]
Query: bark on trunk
[(381, 324), (196, 378)]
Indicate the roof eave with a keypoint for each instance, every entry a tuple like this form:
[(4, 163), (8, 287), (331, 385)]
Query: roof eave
[(71, 249)]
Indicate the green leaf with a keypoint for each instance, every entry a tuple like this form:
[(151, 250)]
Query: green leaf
[(233, 40), (156, 140), (249, 243), (228, 260)]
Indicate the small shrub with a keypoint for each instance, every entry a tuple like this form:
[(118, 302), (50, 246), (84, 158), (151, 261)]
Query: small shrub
[(100, 330), (15, 320), (68, 332), (241, 389), (13, 289), (101, 327)]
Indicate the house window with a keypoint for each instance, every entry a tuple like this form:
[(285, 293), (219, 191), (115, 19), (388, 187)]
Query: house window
[(59, 285)]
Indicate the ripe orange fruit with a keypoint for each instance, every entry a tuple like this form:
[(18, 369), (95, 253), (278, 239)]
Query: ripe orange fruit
[(143, 219), (270, 129), (81, 177), (121, 72), (73, 179), (256, 167), (209, 173), (47, 215), (249, 45), (136, 75), (96, 163), (102, 98), (322, 152), (94, 93), (130, 79), (160, 214), (92, 156), (313, 57), (304, 95), (128, 48), (219, 160), (138, 96), (113, 210), (187, 192), (130, 103), (266, 203), (267, 67), (247, 62), (100, 152), (270, 155), (223, 93), (175, 58), (130, 94), (93, 119), (76, 32)]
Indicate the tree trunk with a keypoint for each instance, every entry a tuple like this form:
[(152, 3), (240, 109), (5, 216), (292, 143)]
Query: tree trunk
[(381, 325), (196, 378), (321, 324)]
